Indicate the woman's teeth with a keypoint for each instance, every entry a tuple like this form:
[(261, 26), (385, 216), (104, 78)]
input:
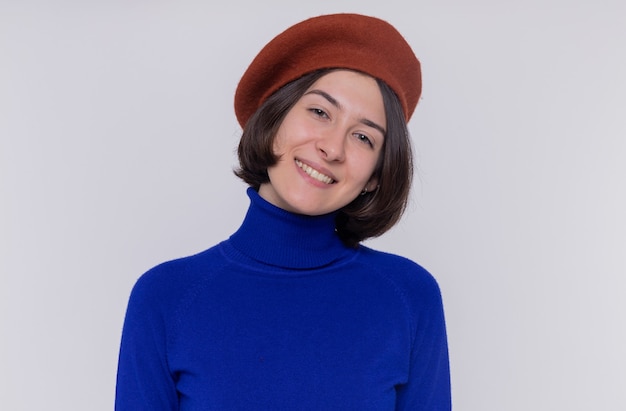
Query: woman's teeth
[(314, 173)]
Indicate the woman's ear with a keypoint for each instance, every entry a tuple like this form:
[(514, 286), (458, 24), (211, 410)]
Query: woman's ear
[(372, 185)]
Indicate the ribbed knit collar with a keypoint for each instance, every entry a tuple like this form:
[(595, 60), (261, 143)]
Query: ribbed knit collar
[(271, 235)]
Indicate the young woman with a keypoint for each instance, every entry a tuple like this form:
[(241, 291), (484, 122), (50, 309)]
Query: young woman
[(292, 312)]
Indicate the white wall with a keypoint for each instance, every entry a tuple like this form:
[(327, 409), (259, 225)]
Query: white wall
[(117, 136)]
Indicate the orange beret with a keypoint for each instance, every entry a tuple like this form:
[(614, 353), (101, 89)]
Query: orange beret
[(352, 41)]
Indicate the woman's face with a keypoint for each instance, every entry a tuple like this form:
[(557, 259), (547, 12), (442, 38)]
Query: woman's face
[(328, 145)]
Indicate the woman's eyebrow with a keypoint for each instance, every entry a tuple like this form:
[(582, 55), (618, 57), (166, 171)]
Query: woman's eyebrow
[(335, 103), (327, 96), (370, 123)]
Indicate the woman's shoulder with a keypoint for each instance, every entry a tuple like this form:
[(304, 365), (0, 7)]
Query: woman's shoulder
[(167, 282), (389, 260), (408, 275)]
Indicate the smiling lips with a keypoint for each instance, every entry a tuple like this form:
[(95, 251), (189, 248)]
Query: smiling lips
[(313, 173)]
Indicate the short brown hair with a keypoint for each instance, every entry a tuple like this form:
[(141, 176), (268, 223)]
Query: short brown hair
[(369, 215)]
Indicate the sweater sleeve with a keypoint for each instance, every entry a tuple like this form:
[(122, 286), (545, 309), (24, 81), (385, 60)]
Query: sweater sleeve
[(144, 381), (428, 387)]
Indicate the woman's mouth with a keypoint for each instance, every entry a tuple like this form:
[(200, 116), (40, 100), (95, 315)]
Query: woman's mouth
[(313, 173)]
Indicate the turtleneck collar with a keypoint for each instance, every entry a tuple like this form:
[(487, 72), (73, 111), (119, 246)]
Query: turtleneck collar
[(273, 236)]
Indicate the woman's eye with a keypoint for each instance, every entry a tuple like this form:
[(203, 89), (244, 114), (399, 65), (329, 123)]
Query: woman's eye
[(319, 112), (364, 139)]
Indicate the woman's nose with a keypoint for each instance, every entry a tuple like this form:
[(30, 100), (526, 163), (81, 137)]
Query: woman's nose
[(332, 145)]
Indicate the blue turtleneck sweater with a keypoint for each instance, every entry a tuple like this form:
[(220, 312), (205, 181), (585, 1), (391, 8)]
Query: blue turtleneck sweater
[(283, 316)]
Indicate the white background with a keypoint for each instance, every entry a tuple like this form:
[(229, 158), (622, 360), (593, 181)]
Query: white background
[(117, 139)]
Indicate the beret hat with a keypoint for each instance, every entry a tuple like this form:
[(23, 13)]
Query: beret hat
[(351, 41)]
